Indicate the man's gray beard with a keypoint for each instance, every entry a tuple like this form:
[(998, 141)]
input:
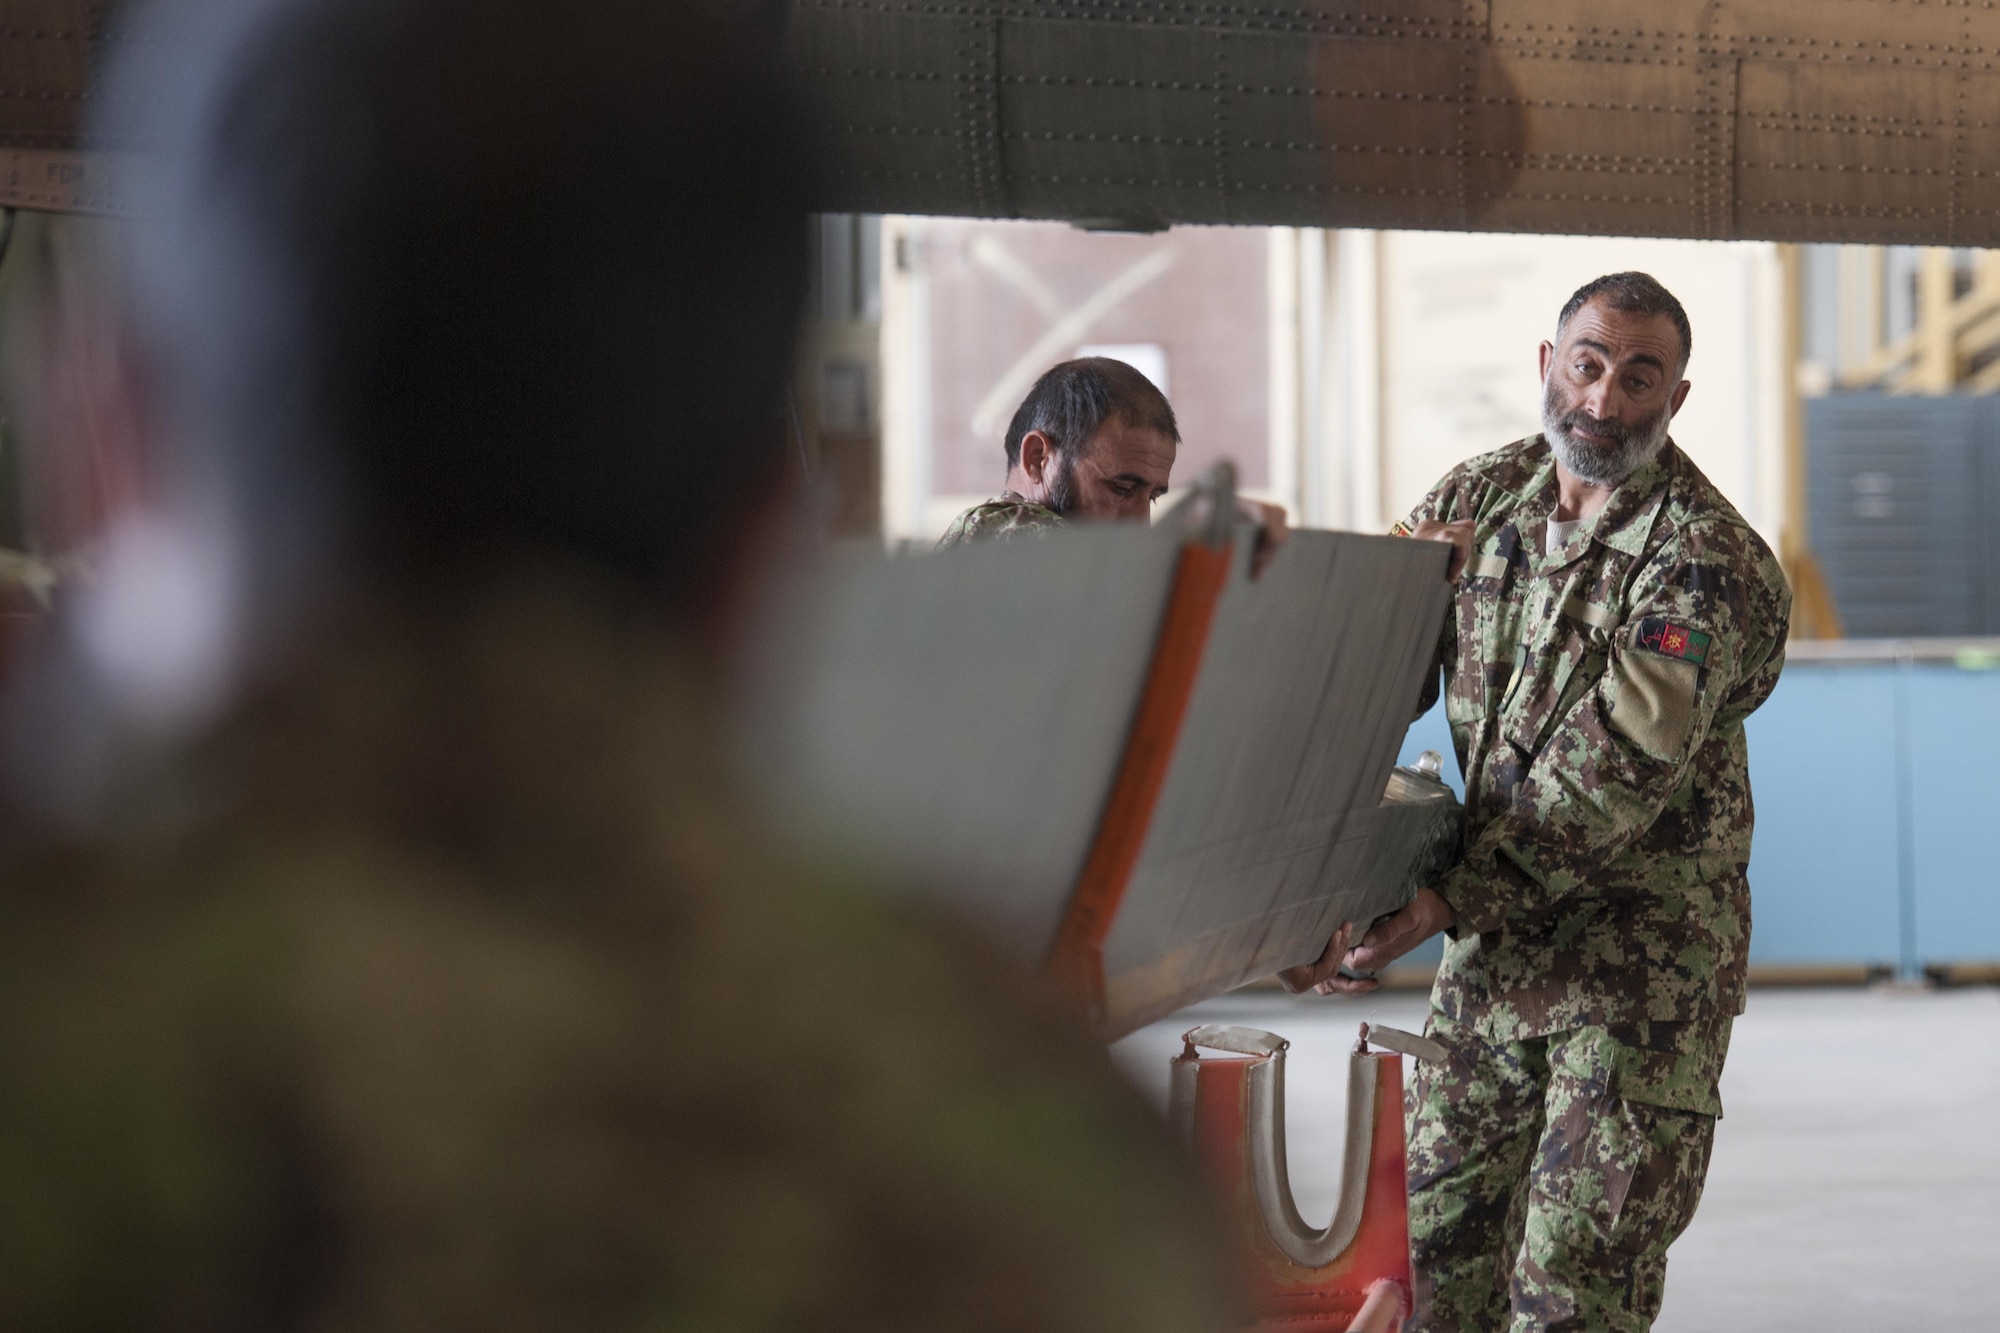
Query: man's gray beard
[(1636, 445)]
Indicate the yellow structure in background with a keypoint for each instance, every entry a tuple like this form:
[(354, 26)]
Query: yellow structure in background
[(1814, 615), (1953, 342), (1897, 320)]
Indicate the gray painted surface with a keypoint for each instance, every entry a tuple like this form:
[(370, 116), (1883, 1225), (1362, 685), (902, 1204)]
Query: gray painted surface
[(1856, 1181), (1902, 514), (932, 707)]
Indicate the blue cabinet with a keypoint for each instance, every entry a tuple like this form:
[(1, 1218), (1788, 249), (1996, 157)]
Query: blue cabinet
[(1823, 862), (1954, 731), (1878, 811)]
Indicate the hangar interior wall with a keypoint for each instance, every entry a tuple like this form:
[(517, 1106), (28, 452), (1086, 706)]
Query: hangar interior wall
[(1342, 371)]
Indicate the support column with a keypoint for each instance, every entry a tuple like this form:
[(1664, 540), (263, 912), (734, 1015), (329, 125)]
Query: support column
[(1316, 305), (1937, 358), (1813, 612), (1355, 410), (1860, 306), (1286, 379), (906, 379)]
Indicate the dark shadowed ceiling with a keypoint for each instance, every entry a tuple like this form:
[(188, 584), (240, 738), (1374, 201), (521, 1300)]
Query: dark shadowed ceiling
[(1847, 120), (1827, 120), (46, 52)]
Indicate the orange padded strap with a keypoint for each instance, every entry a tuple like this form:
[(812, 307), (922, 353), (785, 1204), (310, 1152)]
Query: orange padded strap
[(1076, 959)]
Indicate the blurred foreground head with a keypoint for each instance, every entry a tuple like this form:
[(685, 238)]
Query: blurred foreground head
[(432, 291), (445, 983)]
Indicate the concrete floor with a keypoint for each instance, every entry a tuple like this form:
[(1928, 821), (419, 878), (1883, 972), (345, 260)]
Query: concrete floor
[(1856, 1178)]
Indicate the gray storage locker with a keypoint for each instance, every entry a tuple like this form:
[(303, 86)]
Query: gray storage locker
[(1902, 501)]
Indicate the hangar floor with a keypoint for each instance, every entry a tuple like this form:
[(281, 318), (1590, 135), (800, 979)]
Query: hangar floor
[(1856, 1179)]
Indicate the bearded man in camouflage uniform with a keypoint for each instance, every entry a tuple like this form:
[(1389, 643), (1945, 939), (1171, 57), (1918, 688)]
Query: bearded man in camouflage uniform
[(1094, 439), (1615, 622)]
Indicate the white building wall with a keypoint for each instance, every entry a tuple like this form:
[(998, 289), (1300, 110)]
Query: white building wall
[(1463, 316), (1394, 355)]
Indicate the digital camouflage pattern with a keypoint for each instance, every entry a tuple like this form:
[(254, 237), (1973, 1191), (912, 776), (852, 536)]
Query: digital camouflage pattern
[(1608, 809), (453, 989), (1547, 1177), (1596, 696), (1008, 516)]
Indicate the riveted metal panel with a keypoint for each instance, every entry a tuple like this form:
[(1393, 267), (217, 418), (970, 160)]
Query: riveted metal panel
[(900, 99), (45, 53), (1858, 34), (1093, 125), (1856, 154), (1402, 20), (1843, 120), (1618, 142), (1835, 120), (1431, 132)]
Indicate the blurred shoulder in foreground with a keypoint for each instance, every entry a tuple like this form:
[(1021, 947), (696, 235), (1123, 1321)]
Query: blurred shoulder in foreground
[(480, 1005), (395, 951), (1007, 516)]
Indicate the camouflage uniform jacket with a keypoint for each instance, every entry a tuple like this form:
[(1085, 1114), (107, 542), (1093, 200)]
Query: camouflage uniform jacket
[(1596, 697), (1008, 516), (453, 985)]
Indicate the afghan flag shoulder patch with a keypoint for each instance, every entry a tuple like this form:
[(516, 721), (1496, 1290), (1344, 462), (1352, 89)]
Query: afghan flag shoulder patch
[(1657, 635)]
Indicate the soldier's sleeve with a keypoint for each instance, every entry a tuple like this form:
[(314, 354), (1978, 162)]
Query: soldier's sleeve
[(999, 518), (963, 528), (1439, 504), (1701, 647)]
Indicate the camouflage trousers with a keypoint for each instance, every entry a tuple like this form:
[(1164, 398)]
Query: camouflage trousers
[(1544, 1187)]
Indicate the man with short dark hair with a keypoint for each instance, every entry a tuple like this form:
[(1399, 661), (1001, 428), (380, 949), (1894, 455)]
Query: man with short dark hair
[(1616, 621), (387, 944), (1094, 439)]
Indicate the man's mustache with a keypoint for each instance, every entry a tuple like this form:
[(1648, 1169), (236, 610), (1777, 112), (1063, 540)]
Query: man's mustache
[(1590, 425)]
